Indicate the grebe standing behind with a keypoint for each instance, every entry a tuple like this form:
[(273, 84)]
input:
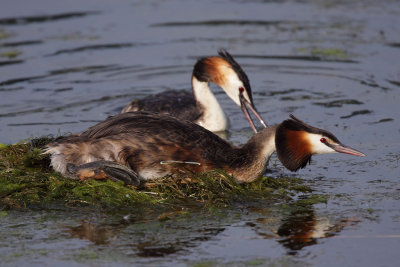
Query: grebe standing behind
[(201, 105), (136, 146)]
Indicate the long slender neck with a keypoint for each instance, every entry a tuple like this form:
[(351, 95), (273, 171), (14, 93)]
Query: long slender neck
[(213, 118), (254, 155)]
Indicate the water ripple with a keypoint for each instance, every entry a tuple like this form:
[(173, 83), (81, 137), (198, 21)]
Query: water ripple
[(219, 23), (338, 103), (294, 57), (19, 80), (397, 83), (90, 48), (397, 45), (381, 121), (22, 43), (44, 18), (358, 112), (63, 107), (82, 69), (51, 123), (10, 62)]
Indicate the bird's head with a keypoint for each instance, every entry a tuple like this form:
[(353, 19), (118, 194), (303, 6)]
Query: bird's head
[(224, 71), (297, 141)]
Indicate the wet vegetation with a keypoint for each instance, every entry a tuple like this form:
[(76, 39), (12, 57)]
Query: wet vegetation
[(26, 180)]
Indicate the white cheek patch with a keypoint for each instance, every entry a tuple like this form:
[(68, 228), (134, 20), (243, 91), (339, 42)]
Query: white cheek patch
[(232, 86), (317, 147)]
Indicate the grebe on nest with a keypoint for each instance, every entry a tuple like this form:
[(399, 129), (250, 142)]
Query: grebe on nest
[(201, 105), (135, 146)]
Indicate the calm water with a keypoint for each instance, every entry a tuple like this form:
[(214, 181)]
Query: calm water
[(334, 64)]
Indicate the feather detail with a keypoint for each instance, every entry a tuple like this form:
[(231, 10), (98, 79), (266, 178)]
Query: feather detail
[(292, 146)]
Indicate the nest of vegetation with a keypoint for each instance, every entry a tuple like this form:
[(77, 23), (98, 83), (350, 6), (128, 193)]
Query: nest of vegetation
[(26, 180)]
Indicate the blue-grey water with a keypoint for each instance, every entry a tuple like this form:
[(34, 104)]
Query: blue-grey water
[(65, 65)]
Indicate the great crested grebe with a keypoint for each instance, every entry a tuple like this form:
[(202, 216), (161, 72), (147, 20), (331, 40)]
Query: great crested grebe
[(200, 105), (137, 146)]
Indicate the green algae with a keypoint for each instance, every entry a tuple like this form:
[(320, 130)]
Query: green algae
[(255, 262), (10, 54), (326, 53), (26, 179), (309, 200), (217, 188), (4, 34), (204, 264)]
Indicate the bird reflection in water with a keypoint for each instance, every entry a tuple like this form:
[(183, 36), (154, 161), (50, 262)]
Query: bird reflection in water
[(92, 232), (302, 228)]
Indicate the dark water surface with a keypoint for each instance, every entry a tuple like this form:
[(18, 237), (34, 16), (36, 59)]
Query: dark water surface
[(336, 65)]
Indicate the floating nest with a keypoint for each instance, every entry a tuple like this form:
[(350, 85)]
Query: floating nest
[(26, 180)]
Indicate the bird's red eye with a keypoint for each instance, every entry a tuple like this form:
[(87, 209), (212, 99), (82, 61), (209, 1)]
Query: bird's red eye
[(323, 140), (241, 89)]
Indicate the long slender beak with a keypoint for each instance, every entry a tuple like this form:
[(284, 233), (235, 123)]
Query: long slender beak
[(347, 150), (245, 105)]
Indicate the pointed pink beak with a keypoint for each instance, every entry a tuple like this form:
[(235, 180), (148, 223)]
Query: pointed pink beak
[(347, 150), (245, 105)]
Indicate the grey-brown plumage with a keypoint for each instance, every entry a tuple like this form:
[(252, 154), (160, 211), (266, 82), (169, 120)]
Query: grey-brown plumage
[(153, 145), (177, 103)]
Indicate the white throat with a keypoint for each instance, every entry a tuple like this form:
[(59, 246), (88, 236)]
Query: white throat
[(214, 118)]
